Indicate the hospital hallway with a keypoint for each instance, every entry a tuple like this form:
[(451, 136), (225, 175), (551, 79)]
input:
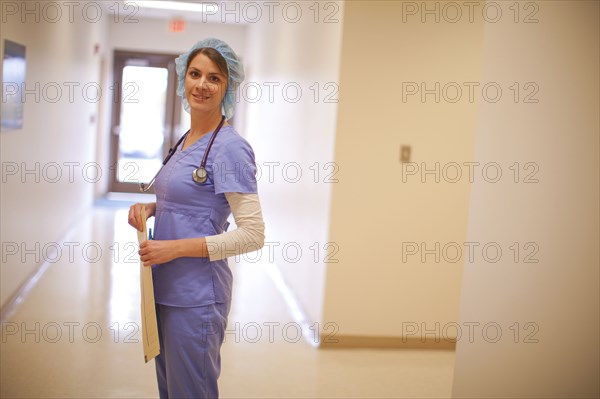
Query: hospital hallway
[(82, 340), (428, 176)]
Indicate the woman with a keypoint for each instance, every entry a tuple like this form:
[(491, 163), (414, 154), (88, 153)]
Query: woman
[(192, 280)]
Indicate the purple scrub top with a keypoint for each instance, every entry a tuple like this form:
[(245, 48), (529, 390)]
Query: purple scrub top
[(186, 209)]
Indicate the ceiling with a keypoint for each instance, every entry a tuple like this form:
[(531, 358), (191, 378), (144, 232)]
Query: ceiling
[(229, 11)]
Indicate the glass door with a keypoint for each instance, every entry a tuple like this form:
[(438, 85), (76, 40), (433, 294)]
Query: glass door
[(146, 119)]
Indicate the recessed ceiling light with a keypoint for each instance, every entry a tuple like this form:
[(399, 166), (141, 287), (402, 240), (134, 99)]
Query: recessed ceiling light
[(176, 6)]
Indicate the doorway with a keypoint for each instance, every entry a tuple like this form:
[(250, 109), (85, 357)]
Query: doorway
[(146, 117)]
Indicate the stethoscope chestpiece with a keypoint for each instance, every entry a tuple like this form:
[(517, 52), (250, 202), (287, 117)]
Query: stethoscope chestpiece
[(200, 175)]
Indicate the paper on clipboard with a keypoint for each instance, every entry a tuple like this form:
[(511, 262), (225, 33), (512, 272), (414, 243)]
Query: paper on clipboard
[(149, 326)]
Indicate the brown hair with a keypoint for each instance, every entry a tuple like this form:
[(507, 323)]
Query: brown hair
[(214, 56)]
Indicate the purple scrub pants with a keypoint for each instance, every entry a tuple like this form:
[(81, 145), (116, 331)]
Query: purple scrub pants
[(189, 363)]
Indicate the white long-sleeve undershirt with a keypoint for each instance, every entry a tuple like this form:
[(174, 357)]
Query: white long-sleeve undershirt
[(247, 237)]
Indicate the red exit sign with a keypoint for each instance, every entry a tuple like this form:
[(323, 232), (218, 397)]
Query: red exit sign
[(176, 25)]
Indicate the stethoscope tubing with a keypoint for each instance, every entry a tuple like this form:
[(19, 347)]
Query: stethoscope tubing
[(145, 187)]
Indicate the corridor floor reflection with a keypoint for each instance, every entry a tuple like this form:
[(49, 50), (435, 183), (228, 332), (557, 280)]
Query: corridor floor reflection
[(77, 335)]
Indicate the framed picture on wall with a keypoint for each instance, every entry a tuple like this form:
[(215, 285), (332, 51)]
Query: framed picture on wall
[(13, 80)]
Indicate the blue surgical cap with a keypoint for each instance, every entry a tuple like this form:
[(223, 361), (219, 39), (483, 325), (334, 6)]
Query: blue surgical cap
[(234, 67)]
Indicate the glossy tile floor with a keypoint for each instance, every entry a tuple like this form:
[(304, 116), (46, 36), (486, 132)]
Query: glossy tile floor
[(77, 335)]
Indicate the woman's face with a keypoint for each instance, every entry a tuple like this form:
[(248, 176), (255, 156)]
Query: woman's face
[(205, 85)]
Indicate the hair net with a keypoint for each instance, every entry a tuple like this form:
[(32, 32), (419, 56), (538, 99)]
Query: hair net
[(234, 67)]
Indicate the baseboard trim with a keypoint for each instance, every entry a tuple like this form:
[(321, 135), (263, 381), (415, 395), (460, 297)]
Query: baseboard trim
[(372, 342), (14, 301)]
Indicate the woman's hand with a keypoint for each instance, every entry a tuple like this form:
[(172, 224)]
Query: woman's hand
[(155, 252), (135, 214)]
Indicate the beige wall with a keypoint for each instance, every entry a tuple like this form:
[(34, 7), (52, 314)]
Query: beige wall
[(371, 292), (557, 355), (38, 208), (291, 134)]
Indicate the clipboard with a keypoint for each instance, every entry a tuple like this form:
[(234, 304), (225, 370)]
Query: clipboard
[(149, 325)]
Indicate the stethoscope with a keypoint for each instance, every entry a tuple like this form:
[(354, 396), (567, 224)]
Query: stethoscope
[(199, 175)]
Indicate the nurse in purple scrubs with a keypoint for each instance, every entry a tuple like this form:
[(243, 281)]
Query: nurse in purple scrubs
[(188, 255)]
